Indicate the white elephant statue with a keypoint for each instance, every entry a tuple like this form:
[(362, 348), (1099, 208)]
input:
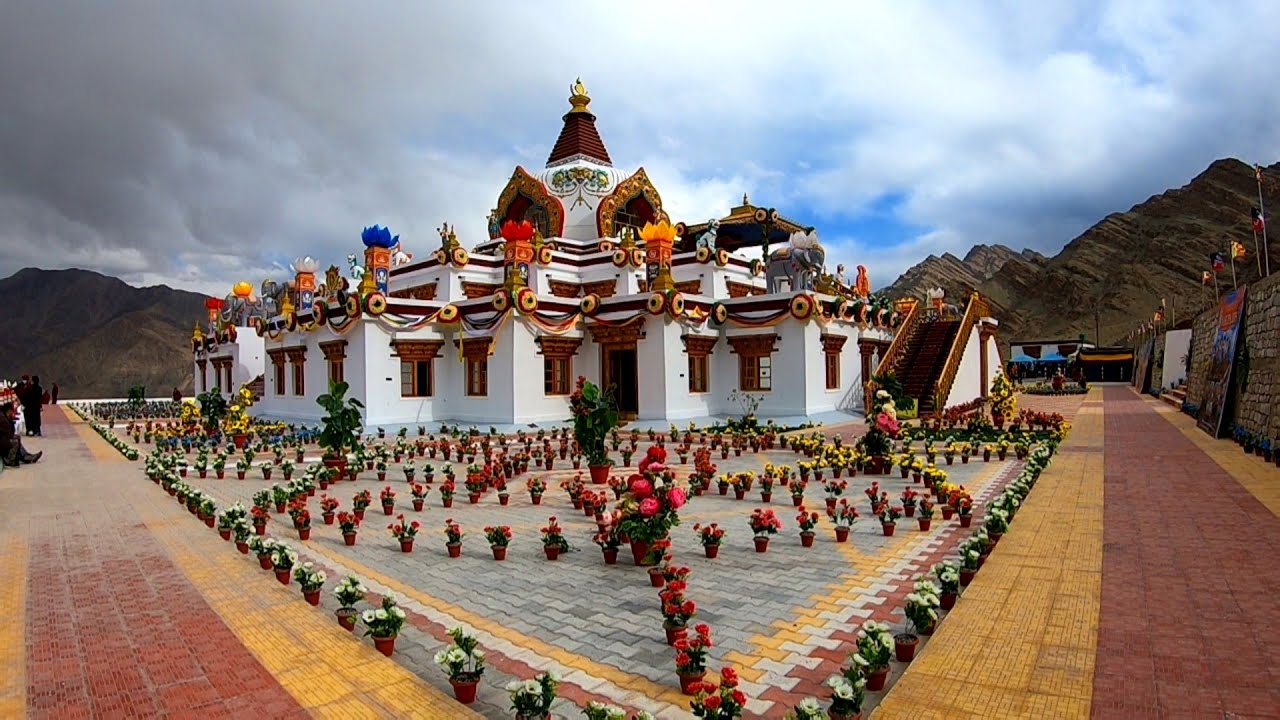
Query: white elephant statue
[(800, 263)]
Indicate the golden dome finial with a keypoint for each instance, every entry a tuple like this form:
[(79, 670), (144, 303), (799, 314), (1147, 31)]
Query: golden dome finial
[(578, 97), (196, 334)]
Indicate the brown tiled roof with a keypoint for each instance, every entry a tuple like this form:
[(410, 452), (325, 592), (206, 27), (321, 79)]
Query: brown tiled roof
[(579, 137)]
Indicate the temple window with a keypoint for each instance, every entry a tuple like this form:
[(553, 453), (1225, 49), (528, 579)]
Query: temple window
[(204, 375), (831, 347), (335, 352), (277, 370), (634, 214), (755, 361), (417, 366), (297, 359), (557, 363), (698, 348), (478, 377)]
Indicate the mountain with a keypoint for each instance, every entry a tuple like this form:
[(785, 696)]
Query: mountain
[(1121, 267), (95, 335)]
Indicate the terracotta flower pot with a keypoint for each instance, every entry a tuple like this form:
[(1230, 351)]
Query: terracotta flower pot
[(385, 645), (947, 600), (328, 518), (966, 576), (762, 543), (966, 521), (797, 500), (909, 510), (806, 539), (739, 494), (279, 507), (766, 497), (888, 528), (473, 498), (284, 576), (312, 598), (947, 512), (406, 545), (243, 547), (925, 523), (499, 552), (904, 646), (349, 539), (359, 514), (264, 561), (455, 549), (261, 530), (711, 550), (304, 533), (724, 489), (503, 498), (599, 474), (224, 534), (639, 549), (674, 633), (347, 618), (689, 681), (388, 508), (535, 499), (995, 538), (446, 502), (876, 680), (842, 534), (610, 556), (464, 691), (655, 577)]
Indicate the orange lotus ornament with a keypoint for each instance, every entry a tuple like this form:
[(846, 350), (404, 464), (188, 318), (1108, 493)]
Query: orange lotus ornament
[(658, 240)]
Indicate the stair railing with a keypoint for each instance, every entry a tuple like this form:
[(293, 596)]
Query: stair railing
[(942, 388), (910, 309)]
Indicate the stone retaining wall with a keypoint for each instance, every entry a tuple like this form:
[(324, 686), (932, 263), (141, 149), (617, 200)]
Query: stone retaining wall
[(1257, 406)]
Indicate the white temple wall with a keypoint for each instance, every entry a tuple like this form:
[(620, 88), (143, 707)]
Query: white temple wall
[(995, 366), (968, 381), (1177, 343), (532, 404)]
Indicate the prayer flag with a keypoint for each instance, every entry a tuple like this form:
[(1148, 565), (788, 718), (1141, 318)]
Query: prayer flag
[(1217, 260), (1258, 222)]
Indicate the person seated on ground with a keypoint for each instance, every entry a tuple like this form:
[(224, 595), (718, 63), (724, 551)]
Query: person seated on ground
[(11, 451)]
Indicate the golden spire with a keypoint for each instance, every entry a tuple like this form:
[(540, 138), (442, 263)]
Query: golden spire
[(578, 97), (196, 334), (745, 201)]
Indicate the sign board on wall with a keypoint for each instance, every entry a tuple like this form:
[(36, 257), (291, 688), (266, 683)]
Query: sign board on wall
[(1227, 329)]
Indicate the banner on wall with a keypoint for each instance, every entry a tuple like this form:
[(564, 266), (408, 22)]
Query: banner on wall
[(1217, 398), (1142, 376)]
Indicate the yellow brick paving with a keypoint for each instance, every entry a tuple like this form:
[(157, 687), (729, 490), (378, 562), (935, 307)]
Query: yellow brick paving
[(1254, 474), (1021, 641), (327, 670), (13, 602)]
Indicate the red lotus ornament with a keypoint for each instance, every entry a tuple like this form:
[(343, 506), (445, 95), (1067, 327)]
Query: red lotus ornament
[(517, 231)]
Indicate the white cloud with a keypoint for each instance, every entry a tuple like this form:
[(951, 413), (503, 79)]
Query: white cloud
[(238, 138)]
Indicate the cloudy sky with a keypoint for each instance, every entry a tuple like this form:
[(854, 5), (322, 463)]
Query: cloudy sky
[(196, 143)]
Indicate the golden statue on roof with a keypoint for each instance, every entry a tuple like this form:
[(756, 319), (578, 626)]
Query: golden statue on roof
[(578, 97)]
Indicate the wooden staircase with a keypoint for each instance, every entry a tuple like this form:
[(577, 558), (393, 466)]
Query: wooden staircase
[(1175, 396), (923, 360)]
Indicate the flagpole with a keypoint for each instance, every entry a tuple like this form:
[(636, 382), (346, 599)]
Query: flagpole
[(1262, 210), (1258, 252), (1233, 269)]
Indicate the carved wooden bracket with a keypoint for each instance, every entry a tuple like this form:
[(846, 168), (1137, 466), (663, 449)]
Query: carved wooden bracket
[(476, 348), (417, 292), (833, 343), (556, 346), (628, 334), (737, 289), (412, 350), (690, 287), (296, 354), (475, 290), (276, 355), (603, 288), (564, 288), (699, 345), (752, 344), (334, 350)]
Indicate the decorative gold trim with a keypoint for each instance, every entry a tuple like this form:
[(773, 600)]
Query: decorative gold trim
[(636, 185), (522, 182)]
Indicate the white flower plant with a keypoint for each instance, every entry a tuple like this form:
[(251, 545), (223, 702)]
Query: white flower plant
[(922, 606), (464, 660), (603, 711), (532, 698), (349, 592), (386, 621), (875, 647), (810, 709), (309, 577)]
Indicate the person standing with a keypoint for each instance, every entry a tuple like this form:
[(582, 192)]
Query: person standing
[(54, 394), (31, 405)]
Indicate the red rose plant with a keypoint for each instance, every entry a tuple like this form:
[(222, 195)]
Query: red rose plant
[(650, 506), (691, 657), (719, 702)]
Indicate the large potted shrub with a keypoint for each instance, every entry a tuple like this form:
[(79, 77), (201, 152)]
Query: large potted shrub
[(340, 427), (594, 414)]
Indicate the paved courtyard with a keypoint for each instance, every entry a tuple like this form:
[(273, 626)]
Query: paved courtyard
[(122, 604)]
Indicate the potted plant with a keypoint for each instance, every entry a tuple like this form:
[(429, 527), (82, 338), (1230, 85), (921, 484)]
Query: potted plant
[(847, 696), (553, 539), (845, 514), (258, 515), (875, 645), (359, 502), (241, 532), (447, 490), (531, 699), (404, 532), (311, 580), (909, 498), (499, 537), (595, 414), (537, 486), (926, 514), (384, 624), (262, 548), (650, 507), (419, 493), (806, 520), (677, 610), (970, 560), (763, 523), (348, 592), (349, 526), (711, 536), (889, 519), (691, 658), (453, 538), (719, 702), (388, 499), (807, 709), (283, 558), (464, 663), (609, 543), (948, 575), (340, 426), (301, 518), (922, 607), (997, 523), (328, 506)]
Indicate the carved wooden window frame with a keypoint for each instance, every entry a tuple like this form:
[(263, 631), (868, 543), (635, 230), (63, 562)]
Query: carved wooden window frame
[(698, 348), (413, 354), (755, 361), (335, 352), (298, 359), (832, 345), (557, 363)]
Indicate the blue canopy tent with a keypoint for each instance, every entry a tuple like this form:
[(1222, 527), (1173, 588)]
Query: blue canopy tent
[(1020, 358), (1053, 357)]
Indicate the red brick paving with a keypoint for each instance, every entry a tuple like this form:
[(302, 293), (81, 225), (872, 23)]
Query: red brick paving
[(1190, 604), (114, 630)]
